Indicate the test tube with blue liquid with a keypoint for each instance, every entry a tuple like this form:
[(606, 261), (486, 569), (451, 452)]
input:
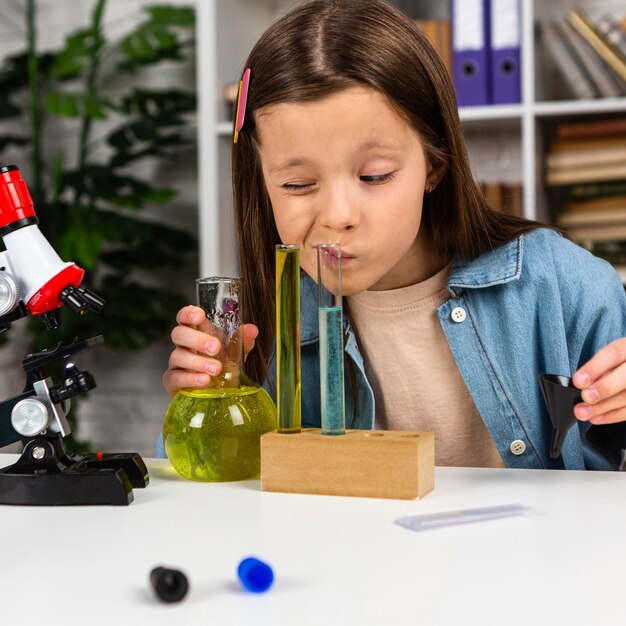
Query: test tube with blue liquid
[(330, 309)]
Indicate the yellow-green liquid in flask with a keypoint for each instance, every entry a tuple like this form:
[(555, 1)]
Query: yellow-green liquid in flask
[(214, 434)]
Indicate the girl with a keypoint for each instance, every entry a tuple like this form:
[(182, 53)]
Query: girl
[(352, 135)]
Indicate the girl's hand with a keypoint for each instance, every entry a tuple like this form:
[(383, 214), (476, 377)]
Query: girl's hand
[(190, 364), (603, 383)]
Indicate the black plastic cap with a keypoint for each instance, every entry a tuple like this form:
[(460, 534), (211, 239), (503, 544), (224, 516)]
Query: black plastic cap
[(169, 585)]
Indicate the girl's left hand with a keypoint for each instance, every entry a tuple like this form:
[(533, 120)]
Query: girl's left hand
[(603, 383)]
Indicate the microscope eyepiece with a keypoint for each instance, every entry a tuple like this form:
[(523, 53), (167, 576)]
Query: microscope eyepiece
[(74, 299), (80, 299), (96, 303)]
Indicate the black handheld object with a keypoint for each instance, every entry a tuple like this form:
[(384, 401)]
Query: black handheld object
[(169, 585), (561, 396)]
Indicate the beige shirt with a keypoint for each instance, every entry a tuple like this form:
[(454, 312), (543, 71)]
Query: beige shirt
[(417, 384)]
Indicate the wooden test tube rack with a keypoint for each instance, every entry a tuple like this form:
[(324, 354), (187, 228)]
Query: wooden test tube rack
[(374, 464)]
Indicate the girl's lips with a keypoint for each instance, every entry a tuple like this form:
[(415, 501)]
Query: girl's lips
[(333, 259)]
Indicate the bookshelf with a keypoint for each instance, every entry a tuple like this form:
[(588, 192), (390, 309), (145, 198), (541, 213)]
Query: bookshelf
[(506, 142)]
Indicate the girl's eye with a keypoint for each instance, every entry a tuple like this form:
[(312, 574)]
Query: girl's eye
[(378, 179), (297, 187)]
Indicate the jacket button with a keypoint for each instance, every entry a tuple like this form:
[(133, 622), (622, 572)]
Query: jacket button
[(517, 447), (458, 314)]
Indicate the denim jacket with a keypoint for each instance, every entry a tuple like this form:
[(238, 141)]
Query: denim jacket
[(538, 304)]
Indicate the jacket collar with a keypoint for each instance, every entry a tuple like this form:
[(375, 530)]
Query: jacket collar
[(496, 267)]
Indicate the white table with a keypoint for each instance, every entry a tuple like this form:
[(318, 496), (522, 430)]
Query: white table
[(336, 560)]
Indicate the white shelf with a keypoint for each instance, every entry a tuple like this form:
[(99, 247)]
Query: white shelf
[(505, 140), (579, 107), (491, 113)]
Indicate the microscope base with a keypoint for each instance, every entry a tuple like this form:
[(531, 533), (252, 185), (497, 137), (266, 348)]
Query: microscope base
[(48, 475)]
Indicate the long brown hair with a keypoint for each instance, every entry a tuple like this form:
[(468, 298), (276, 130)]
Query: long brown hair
[(320, 48)]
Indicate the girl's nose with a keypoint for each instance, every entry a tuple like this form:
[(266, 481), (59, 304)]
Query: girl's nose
[(339, 211)]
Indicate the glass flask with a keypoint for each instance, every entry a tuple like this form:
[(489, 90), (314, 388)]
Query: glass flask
[(213, 434)]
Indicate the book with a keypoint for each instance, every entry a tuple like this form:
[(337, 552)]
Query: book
[(599, 74), (612, 251), (562, 57), (438, 33), (595, 204), (571, 219), (513, 201), (611, 232), (581, 22), (444, 39), (612, 31), (587, 144), (592, 128), (505, 197), (596, 190), (596, 173), (587, 157)]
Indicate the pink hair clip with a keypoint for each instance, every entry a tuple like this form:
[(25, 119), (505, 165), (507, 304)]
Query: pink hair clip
[(242, 98)]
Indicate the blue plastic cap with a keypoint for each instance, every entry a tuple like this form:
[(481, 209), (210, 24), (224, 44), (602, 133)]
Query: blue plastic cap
[(255, 575)]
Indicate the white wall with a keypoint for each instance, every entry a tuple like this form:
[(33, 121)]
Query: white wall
[(126, 410)]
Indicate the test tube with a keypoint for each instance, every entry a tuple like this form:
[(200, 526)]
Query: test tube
[(288, 338), (330, 310)]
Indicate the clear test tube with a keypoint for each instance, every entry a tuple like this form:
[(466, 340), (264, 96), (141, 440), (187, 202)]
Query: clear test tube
[(330, 309), (288, 338)]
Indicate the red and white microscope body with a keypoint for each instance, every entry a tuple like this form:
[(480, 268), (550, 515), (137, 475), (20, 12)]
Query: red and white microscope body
[(31, 272)]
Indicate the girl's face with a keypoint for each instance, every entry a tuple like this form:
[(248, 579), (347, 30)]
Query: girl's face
[(348, 169)]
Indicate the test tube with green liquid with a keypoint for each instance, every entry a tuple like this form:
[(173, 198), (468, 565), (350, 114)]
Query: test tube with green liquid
[(288, 338), (330, 309)]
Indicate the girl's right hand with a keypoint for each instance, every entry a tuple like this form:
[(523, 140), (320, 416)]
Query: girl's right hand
[(190, 364)]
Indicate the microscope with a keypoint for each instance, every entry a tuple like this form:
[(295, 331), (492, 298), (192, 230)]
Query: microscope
[(35, 281)]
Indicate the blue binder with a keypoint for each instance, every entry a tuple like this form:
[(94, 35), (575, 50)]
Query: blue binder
[(470, 51), (505, 37)]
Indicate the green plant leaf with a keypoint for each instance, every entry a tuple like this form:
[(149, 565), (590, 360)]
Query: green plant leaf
[(78, 239), (63, 104), (157, 148), (74, 105), (150, 43), (173, 16), (139, 243), (14, 82), (158, 104), (75, 57), (98, 181), (80, 245), (157, 38)]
